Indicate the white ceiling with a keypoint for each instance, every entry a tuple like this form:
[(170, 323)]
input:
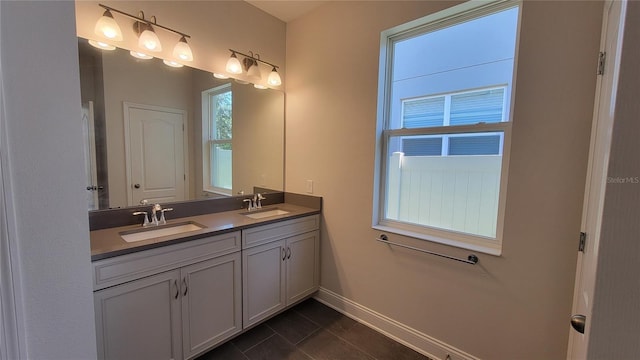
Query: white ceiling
[(286, 10)]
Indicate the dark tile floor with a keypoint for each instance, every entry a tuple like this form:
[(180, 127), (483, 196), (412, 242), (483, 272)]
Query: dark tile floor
[(311, 330)]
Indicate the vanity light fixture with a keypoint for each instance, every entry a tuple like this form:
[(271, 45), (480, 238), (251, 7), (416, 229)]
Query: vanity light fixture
[(182, 50), (148, 39), (261, 87), (251, 66), (274, 78), (233, 64), (145, 29), (107, 27), (253, 72), (251, 63)]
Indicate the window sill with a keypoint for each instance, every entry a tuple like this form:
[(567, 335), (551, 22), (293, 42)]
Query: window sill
[(490, 249), (218, 193)]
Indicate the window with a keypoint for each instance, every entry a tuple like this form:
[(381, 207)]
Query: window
[(444, 116), (217, 135)]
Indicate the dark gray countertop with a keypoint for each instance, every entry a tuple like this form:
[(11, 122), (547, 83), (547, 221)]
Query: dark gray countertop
[(107, 243)]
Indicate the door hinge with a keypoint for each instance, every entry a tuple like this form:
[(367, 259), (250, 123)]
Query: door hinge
[(583, 241), (602, 57)]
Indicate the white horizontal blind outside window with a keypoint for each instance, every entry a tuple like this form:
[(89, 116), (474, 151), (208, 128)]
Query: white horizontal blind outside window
[(477, 107), (465, 108)]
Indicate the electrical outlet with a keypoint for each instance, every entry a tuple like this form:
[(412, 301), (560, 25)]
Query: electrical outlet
[(309, 186)]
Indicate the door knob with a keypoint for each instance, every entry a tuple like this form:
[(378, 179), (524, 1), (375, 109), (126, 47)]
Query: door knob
[(578, 321), (137, 186)]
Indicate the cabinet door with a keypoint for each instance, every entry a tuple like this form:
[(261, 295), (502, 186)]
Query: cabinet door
[(303, 264), (263, 281), (140, 319), (211, 312)]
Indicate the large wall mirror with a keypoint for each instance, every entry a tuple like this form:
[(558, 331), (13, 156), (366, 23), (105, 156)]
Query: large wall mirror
[(166, 134)]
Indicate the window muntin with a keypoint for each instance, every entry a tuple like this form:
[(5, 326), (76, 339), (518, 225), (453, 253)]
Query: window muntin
[(446, 125), (217, 148)]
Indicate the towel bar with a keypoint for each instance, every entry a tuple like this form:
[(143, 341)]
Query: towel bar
[(471, 259)]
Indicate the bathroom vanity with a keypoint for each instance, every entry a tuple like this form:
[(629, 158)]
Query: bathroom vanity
[(176, 296)]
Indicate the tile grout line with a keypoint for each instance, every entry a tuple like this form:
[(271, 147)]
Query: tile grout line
[(301, 340), (321, 327), (256, 344)]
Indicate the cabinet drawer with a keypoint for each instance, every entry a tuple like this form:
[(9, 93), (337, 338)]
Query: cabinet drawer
[(120, 269), (267, 233)]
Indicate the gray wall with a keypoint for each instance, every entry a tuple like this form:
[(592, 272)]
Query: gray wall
[(615, 323), (332, 72), (48, 219)]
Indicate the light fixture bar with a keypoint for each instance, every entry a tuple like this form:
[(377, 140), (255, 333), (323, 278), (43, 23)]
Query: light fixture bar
[(254, 58), (142, 19)]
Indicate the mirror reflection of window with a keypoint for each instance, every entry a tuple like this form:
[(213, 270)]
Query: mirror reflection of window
[(217, 122)]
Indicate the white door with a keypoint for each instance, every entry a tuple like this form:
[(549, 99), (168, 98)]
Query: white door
[(611, 42), (91, 173), (155, 147)]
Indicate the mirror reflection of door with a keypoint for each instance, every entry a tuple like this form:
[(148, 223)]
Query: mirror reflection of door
[(155, 153), (88, 130)]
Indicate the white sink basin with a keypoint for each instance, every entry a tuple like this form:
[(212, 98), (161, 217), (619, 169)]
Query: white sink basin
[(150, 233), (265, 213)]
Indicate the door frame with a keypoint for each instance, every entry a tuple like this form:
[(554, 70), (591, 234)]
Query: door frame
[(90, 150), (596, 181), (126, 106), (12, 313)]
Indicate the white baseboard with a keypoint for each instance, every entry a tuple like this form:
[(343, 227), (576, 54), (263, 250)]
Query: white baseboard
[(420, 342)]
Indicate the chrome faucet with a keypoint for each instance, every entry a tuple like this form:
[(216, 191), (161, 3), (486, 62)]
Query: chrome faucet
[(255, 202), (162, 220), (259, 199), (154, 221), (251, 203), (146, 222), (154, 210)]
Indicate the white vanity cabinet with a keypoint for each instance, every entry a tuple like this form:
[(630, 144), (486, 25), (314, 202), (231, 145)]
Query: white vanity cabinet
[(137, 320), (172, 302), (211, 311), (280, 263)]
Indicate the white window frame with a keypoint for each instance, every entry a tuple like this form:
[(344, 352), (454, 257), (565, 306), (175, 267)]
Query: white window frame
[(448, 17), (208, 143)]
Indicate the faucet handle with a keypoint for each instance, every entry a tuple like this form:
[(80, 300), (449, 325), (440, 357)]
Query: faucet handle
[(162, 220), (258, 201), (146, 218), (250, 206)]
